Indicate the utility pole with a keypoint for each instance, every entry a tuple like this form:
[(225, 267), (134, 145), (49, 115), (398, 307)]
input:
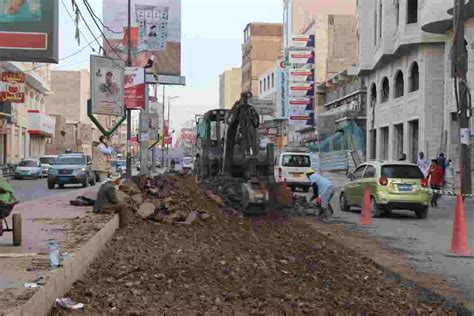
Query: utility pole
[(460, 67), (153, 150), (129, 112), (163, 140), (144, 135)]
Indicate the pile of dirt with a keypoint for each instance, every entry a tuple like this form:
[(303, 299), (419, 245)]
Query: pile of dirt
[(158, 200), (235, 265)]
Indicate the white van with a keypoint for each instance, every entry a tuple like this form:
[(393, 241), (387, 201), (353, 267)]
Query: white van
[(291, 165)]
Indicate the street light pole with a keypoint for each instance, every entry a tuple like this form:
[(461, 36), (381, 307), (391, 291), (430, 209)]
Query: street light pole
[(163, 140), (460, 66), (169, 102), (129, 112)]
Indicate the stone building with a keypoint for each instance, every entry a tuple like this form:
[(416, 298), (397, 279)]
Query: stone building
[(404, 71), (230, 86), (261, 48)]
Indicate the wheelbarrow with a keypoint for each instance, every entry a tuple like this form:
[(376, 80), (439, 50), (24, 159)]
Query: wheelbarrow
[(5, 211)]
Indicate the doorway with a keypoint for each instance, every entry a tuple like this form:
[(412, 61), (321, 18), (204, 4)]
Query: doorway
[(384, 133), (413, 127), (397, 141)]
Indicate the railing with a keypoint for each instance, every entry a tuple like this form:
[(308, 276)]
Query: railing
[(8, 171)]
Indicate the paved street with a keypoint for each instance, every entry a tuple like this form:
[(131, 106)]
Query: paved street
[(29, 190), (424, 243)]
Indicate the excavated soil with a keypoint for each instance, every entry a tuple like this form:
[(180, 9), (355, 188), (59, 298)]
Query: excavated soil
[(231, 265)]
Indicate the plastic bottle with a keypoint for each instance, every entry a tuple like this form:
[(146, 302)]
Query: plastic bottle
[(53, 254)]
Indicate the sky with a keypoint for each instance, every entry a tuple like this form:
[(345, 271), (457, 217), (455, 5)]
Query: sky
[(212, 34)]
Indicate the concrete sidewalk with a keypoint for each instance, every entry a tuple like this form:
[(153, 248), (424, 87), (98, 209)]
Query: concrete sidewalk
[(74, 229)]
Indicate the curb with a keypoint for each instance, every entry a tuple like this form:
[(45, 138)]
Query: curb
[(61, 280)]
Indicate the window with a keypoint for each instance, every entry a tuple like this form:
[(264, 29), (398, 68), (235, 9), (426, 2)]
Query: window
[(397, 12), (375, 26), (412, 11), (385, 90), (301, 161), (261, 86), (380, 19), (370, 172), (399, 84), (268, 82), (359, 172), (402, 172), (414, 78), (273, 80), (265, 84), (373, 95)]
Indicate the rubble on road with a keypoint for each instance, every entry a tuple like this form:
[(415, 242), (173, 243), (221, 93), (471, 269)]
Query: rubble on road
[(234, 265)]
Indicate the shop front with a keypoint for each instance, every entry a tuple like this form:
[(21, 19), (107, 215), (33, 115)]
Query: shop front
[(41, 127)]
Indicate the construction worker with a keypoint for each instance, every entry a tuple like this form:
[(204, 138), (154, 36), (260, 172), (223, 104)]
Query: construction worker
[(107, 201), (323, 191)]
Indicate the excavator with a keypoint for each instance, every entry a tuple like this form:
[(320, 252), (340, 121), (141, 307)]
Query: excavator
[(227, 144)]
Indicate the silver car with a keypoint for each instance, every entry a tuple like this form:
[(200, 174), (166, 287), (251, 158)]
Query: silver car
[(47, 162), (71, 169), (29, 168)]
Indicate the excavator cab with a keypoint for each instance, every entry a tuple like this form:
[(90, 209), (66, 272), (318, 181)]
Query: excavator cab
[(209, 144)]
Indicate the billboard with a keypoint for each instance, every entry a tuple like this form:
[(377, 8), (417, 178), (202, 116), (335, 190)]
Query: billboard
[(134, 92), (29, 30), (155, 31), (107, 84), (301, 56), (12, 87), (303, 41)]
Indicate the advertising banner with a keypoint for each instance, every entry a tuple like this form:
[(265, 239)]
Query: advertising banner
[(301, 112), (12, 87), (107, 85), (134, 92), (303, 89), (29, 30), (301, 75), (155, 31), (301, 120), (303, 41), (41, 123), (301, 56), (281, 87)]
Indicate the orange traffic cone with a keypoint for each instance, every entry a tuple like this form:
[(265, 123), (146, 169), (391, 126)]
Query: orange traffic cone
[(366, 215), (459, 245)]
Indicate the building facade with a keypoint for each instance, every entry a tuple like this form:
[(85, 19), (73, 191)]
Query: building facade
[(261, 48), (404, 71), (26, 127), (230, 86)]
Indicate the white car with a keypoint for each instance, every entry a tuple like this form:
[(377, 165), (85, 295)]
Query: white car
[(291, 165), (29, 168), (46, 162), (187, 163)]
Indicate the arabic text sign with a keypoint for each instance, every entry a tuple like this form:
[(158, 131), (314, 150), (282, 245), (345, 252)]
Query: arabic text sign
[(303, 41), (134, 92), (12, 87), (301, 75), (107, 85), (301, 89), (301, 57)]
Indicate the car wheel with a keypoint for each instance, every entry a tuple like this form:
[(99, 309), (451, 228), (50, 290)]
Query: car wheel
[(343, 203), (375, 209), (85, 183), (92, 183), (51, 185), (422, 212)]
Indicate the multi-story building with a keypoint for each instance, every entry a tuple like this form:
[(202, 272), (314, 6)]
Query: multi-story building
[(230, 86), (335, 43), (404, 71), (70, 92), (442, 24), (260, 50), (25, 127)]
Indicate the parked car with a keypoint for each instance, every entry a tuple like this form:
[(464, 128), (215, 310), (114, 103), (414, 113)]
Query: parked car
[(29, 168), (187, 163), (393, 186), (47, 162), (71, 169), (291, 165), (119, 166)]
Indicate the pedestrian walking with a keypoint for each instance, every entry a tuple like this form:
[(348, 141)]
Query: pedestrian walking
[(101, 162), (422, 164), (442, 162), (173, 164), (436, 180), (323, 191)]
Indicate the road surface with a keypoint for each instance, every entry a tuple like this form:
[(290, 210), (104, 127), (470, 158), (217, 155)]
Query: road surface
[(29, 190), (424, 243)]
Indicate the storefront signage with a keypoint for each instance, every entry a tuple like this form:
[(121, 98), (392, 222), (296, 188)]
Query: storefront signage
[(134, 93), (12, 87), (41, 123)]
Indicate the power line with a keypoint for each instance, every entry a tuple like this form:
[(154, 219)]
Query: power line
[(102, 23), (92, 14)]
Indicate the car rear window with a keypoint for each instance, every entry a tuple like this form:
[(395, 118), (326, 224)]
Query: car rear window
[(28, 163), (402, 172), (296, 161), (187, 160), (47, 160), (70, 161)]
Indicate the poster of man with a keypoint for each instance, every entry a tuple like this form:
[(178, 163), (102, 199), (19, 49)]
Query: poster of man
[(20, 10), (107, 82)]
